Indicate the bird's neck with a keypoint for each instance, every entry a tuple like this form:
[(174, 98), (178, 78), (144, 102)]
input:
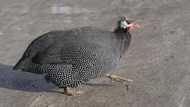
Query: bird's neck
[(120, 30), (124, 39)]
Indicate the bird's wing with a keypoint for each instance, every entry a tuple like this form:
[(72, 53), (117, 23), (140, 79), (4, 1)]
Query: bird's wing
[(64, 54)]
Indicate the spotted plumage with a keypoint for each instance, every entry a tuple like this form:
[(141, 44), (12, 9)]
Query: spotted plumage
[(72, 57)]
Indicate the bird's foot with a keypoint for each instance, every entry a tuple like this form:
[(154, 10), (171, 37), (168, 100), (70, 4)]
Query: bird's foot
[(70, 92), (118, 78)]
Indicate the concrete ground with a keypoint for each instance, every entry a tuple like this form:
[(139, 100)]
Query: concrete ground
[(158, 59)]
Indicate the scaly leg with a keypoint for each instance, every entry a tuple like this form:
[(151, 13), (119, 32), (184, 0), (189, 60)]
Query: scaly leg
[(118, 78), (70, 92)]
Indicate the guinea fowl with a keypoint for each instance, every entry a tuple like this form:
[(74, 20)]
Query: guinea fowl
[(73, 57)]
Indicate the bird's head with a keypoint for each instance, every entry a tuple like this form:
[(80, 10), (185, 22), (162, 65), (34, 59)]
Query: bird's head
[(126, 25)]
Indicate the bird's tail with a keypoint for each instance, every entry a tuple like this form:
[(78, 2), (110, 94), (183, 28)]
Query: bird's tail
[(29, 66), (15, 67), (22, 64)]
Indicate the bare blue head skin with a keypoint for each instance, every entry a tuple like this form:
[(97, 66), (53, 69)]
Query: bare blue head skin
[(126, 25), (123, 23)]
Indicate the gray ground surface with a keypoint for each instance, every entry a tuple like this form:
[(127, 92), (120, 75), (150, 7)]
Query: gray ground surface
[(158, 60)]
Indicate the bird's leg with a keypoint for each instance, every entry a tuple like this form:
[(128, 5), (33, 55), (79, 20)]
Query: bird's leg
[(69, 92), (118, 78)]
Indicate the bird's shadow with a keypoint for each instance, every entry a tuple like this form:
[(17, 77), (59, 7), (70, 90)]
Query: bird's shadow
[(24, 81)]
